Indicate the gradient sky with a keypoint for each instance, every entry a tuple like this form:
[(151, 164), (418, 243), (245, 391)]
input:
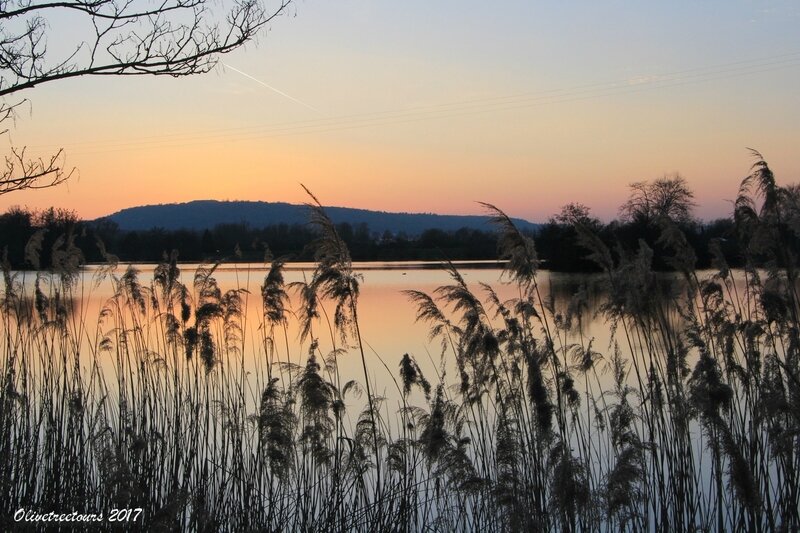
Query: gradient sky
[(431, 106)]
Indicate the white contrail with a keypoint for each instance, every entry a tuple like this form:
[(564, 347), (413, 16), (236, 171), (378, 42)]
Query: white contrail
[(271, 88)]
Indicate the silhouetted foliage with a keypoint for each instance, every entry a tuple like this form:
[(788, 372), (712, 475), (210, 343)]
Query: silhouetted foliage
[(558, 244), (667, 197), (685, 420)]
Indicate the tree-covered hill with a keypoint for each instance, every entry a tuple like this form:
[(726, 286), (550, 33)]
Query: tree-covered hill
[(206, 214)]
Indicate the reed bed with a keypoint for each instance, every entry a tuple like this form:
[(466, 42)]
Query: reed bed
[(689, 420)]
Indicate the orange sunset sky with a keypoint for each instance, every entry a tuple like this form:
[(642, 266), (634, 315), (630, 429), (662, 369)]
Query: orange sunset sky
[(431, 106)]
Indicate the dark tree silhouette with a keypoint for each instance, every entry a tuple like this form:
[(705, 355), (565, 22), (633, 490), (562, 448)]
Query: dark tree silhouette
[(575, 212), (668, 197), (116, 38)]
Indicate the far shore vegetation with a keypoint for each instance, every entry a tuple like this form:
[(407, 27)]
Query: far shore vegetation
[(557, 242), (176, 402)]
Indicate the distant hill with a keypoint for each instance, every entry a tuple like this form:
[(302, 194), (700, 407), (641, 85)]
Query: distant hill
[(203, 214)]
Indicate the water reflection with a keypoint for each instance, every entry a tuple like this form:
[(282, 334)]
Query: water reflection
[(387, 317), (601, 418)]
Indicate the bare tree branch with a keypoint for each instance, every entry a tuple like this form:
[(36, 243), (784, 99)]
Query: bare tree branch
[(23, 173), (121, 38)]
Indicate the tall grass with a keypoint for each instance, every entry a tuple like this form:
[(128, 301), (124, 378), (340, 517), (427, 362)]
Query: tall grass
[(174, 402)]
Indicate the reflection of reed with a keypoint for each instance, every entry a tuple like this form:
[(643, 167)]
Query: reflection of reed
[(180, 401), (43, 308)]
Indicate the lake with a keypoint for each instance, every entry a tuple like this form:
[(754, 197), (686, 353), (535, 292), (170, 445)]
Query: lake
[(387, 317), (616, 401)]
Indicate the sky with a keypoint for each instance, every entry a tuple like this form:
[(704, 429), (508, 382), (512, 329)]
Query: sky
[(433, 106)]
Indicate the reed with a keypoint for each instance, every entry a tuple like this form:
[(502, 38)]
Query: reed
[(173, 402)]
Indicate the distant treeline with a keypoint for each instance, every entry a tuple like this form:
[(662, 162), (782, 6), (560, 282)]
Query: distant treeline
[(557, 242)]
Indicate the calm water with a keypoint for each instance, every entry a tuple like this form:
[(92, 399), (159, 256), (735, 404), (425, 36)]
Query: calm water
[(387, 321), (386, 316)]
